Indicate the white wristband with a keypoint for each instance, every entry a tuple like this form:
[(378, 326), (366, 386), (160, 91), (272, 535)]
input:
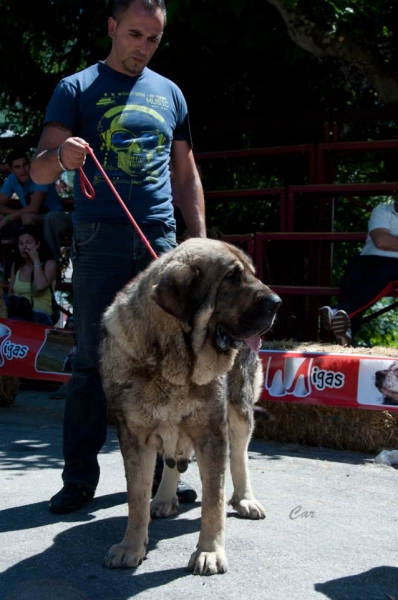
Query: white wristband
[(61, 164)]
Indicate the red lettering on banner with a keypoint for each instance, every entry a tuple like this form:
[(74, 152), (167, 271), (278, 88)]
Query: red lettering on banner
[(290, 378)]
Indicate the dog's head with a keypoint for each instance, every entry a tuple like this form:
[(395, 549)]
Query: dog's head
[(190, 311), (386, 381), (212, 288)]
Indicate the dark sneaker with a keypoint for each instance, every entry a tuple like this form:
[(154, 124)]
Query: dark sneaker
[(70, 498), (185, 493), (326, 314), (341, 328)]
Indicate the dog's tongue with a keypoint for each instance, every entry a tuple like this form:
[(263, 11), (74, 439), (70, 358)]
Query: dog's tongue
[(254, 342)]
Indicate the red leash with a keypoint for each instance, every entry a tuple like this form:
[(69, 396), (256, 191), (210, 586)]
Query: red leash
[(89, 192)]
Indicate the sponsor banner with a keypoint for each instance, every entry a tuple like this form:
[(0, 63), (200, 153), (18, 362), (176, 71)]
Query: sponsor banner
[(346, 380), (35, 351)]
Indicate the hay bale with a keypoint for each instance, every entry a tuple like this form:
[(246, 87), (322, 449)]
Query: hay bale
[(352, 429), (9, 386)]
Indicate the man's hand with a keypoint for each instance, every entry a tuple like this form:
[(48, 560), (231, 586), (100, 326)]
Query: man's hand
[(73, 153), (58, 150)]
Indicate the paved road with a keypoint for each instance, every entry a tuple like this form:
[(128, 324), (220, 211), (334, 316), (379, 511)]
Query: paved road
[(330, 532)]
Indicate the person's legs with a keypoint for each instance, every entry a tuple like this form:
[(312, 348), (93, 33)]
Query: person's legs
[(41, 318), (336, 318), (102, 265), (102, 259), (105, 257), (364, 278)]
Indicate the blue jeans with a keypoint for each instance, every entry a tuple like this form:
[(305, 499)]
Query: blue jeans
[(42, 318), (105, 257)]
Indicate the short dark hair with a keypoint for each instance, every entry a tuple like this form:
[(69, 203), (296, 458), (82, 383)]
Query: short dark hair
[(120, 6), (14, 155)]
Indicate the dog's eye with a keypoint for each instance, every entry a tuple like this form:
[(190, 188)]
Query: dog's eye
[(234, 276)]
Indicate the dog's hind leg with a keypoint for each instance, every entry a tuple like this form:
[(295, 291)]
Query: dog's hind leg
[(165, 502), (139, 460), (243, 500)]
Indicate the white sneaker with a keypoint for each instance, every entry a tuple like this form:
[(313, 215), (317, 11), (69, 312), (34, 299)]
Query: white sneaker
[(341, 327)]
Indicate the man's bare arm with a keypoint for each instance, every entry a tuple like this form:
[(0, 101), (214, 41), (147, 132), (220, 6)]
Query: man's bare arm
[(189, 189), (57, 150)]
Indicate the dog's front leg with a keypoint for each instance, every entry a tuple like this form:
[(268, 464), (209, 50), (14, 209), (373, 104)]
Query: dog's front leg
[(139, 463), (211, 455)]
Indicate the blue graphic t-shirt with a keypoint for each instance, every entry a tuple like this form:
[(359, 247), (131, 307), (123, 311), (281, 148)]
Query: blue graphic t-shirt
[(13, 186), (130, 123)]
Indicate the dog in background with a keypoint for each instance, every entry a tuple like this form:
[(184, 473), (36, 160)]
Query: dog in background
[(387, 383), (181, 373)]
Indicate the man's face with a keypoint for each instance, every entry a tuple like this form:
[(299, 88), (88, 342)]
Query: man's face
[(21, 167), (135, 37)]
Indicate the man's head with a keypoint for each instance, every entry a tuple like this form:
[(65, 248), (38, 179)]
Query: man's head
[(136, 28), (120, 6), (19, 164)]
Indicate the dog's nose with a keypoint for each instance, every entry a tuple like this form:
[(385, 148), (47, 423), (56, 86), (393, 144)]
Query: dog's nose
[(272, 302), (380, 376)]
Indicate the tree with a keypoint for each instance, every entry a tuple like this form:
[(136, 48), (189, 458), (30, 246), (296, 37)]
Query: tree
[(362, 35), (40, 43), (232, 58)]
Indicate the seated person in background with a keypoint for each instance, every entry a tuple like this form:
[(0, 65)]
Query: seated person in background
[(366, 274), (33, 277), (35, 199)]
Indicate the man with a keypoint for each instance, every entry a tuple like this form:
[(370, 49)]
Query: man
[(366, 275), (35, 199), (135, 121)]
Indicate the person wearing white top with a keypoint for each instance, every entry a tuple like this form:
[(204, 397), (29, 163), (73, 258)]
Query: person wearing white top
[(366, 274)]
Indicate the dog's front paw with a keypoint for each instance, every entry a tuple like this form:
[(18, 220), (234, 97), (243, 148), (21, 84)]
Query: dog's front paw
[(247, 508), (208, 563), (162, 508), (124, 556)]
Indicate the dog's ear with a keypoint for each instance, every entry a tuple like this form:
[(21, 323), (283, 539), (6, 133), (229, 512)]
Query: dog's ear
[(173, 292)]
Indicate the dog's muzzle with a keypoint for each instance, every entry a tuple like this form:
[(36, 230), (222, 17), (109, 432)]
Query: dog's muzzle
[(254, 324)]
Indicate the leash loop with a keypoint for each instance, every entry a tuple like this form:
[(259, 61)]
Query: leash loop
[(86, 185)]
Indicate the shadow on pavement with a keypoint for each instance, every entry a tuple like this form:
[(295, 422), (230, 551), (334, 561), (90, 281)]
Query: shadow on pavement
[(80, 551), (363, 585)]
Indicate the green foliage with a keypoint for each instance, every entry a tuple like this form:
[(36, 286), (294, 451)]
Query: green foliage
[(211, 49), (44, 41), (382, 331)]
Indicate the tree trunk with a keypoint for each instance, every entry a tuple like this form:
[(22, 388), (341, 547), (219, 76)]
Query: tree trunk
[(309, 36)]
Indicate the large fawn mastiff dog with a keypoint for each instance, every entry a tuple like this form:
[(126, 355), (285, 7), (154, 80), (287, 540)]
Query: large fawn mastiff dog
[(180, 376)]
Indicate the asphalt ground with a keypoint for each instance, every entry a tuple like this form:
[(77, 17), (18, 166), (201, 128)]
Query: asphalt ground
[(330, 531)]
